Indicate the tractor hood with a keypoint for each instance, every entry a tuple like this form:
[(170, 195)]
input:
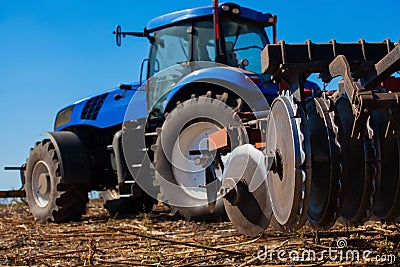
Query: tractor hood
[(102, 110)]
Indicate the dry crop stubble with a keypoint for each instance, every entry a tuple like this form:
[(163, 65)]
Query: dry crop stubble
[(158, 239)]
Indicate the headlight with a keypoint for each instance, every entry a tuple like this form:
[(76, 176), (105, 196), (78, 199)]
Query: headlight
[(63, 117), (236, 11), (225, 8)]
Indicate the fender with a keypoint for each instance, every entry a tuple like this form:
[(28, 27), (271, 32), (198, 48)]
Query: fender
[(74, 161), (233, 79)]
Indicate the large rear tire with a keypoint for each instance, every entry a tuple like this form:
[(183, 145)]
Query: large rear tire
[(50, 199), (186, 129)]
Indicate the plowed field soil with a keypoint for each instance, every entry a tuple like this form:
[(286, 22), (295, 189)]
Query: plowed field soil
[(160, 239)]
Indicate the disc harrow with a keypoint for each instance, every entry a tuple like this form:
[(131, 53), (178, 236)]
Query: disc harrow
[(289, 178), (326, 171), (353, 133), (335, 154), (387, 206), (359, 175)]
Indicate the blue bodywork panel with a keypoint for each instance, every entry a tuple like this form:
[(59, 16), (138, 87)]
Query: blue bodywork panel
[(234, 79), (103, 111), (193, 13), (238, 81)]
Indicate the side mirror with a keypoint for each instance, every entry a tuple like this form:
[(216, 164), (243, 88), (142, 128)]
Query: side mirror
[(118, 35)]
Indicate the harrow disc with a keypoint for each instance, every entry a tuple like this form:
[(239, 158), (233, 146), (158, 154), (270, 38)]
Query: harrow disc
[(289, 177), (387, 195), (326, 167), (245, 192), (359, 169)]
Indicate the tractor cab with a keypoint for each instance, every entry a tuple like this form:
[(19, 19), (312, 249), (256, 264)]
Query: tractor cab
[(214, 36), (236, 41)]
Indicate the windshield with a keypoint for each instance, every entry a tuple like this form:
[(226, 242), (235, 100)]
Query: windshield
[(190, 46), (244, 40), (182, 43), (171, 46), (194, 41)]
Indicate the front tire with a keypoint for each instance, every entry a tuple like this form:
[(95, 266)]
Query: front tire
[(49, 199)]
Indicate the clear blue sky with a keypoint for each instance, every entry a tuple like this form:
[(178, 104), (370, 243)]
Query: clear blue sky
[(55, 52)]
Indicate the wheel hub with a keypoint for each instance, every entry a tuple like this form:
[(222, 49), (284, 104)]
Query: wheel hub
[(188, 167), (41, 183)]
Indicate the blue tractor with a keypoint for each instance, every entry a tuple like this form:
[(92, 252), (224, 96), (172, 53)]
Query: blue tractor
[(85, 151), (227, 123)]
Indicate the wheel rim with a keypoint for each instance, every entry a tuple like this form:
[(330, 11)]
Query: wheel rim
[(41, 184), (188, 173)]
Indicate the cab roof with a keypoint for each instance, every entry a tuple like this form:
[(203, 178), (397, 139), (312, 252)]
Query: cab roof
[(264, 19)]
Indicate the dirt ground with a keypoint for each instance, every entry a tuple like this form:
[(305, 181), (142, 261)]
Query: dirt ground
[(159, 239)]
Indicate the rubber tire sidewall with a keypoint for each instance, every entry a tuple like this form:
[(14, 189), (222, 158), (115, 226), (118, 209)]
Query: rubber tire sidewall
[(40, 153), (176, 121)]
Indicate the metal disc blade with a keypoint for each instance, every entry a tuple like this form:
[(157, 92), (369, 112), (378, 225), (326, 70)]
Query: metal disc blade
[(288, 179), (357, 179), (388, 192), (247, 202), (325, 150)]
